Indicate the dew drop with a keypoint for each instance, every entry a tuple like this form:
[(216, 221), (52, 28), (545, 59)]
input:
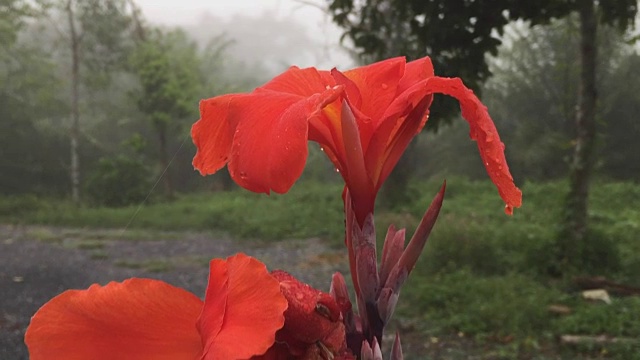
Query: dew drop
[(321, 148), (243, 175), (337, 170), (385, 86)]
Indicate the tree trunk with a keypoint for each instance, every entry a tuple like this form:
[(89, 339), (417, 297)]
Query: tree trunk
[(74, 133), (164, 161), (576, 224)]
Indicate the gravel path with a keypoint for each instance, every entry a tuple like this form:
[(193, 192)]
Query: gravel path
[(37, 263)]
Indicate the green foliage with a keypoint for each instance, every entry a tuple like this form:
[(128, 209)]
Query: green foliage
[(524, 243), (532, 98), (482, 273), (30, 155), (14, 207), (621, 319), (308, 210), (106, 32), (455, 34), (461, 301), (122, 179), (164, 64)]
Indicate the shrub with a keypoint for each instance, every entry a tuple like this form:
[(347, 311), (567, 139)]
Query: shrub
[(497, 306), (119, 180)]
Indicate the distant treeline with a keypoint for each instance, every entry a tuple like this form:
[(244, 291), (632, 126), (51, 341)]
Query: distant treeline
[(139, 89)]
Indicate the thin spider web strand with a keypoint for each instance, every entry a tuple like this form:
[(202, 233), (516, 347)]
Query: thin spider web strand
[(141, 205)]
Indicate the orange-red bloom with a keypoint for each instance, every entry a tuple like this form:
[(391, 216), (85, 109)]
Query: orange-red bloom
[(149, 319), (363, 118)]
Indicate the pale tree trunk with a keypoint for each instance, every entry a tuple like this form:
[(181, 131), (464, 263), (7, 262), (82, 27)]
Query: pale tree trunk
[(576, 220), (74, 133)]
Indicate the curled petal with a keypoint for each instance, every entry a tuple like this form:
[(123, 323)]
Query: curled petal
[(484, 132), (253, 311), (134, 319)]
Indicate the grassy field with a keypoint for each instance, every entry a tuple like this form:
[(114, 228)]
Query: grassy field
[(483, 279)]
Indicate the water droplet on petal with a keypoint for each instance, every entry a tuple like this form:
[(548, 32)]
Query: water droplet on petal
[(385, 86), (243, 175), (321, 148), (337, 170)]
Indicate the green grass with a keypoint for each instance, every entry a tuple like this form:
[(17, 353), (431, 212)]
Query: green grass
[(483, 274), (308, 210)]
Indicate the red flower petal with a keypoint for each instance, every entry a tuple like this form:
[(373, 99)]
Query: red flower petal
[(270, 145), (245, 325), (484, 132), (415, 72), (402, 120), (378, 84), (213, 134), (312, 316), (296, 81), (135, 319)]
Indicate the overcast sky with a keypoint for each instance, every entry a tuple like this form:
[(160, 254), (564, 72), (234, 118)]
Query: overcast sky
[(318, 25)]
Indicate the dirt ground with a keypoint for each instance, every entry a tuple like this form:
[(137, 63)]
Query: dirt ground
[(37, 263)]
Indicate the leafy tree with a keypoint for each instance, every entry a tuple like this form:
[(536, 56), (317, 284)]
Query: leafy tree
[(29, 155), (121, 179), (95, 32), (532, 97), (167, 66), (458, 33)]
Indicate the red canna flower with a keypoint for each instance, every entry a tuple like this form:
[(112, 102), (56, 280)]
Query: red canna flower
[(363, 118), (243, 309)]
